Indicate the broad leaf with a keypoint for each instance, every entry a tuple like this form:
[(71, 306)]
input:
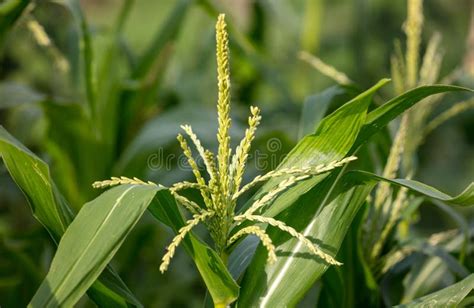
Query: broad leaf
[(381, 116), (286, 281), (32, 176), (332, 141), (314, 109), (269, 282), (242, 255), (447, 297), (328, 229), (465, 198), (90, 242), (355, 278), (218, 280)]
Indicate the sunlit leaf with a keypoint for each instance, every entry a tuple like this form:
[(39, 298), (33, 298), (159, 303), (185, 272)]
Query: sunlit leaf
[(90, 242), (277, 283), (32, 176), (447, 297)]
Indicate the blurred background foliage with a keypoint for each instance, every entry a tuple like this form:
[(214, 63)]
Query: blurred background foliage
[(38, 81)]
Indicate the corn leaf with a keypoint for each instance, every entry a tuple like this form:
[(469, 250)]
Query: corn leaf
[(465, 198), (10, 11), (286, 281), (314, 109), (86, 52), (332, 141), (90, 242), (381, 116), (220, 284), (32, 176), (447, 297), (151, 66), (294, 257)]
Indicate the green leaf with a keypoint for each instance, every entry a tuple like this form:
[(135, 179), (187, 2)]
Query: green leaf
[(90, 242), (151, 67), (332, 141), (86, 52), (81, 157), (327, 227), (314, 109), (447, 297), (354, 278), (286, 281), (451, 263), (465, 198), (10, 11), (333, 291), (222, 287), (32, 176), (242, 255), (381, 116)]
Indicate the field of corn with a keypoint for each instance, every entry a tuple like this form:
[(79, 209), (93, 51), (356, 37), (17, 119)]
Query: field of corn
[(244, 153)]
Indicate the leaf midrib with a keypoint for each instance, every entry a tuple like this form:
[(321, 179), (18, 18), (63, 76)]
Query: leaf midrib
[(299, 245), (75, 264)]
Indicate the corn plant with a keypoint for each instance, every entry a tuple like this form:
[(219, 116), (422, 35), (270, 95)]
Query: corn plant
[(220, 194), (82, 137), (387, 219), (295, 232)]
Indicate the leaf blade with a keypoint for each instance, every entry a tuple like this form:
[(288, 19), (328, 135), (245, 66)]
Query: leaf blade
[(447, 297), (90, 242), (48, 206), (465, 198), (289, 293), (314, 108), (327, 144), (381, 116), (342, 208), (222, 287)]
